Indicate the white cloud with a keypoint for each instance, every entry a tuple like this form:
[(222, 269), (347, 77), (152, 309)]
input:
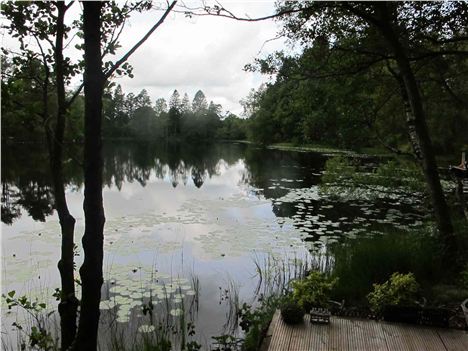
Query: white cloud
[(189, 54), (206, 53)]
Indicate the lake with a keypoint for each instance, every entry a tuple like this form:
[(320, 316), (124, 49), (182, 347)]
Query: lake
[(187, 226)]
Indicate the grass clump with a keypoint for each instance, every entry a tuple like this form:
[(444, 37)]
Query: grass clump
[(360, 263)]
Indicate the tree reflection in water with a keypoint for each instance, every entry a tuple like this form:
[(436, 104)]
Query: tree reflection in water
[(26, 182)]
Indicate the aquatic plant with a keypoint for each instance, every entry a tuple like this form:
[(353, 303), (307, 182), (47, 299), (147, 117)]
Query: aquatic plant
[(255, 321), (34, 331), (345, 177)]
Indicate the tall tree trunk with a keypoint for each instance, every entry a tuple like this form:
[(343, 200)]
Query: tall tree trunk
[(91, 270), (410, 120), (420, 132), (68, 302)]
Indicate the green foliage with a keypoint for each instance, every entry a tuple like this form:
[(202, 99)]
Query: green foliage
[(130, 116), (314, 290), (399, 290), (39, 338), (255, 322), (339, 170), (341, 90), (359, 263), (343, 175)]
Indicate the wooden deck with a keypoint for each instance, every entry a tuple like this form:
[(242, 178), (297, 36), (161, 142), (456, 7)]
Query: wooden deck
[(345, 334)]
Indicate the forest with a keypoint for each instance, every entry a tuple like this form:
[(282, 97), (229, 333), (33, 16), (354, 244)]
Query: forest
[(380, 86)]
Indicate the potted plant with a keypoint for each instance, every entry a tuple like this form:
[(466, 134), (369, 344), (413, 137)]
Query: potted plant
[(396, 299), (291, 311), (314, 290)]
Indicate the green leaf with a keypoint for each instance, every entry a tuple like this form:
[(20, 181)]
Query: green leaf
[(12, 293)]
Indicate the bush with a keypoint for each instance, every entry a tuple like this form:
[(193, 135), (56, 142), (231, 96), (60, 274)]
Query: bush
[(291, 311), (399, 290), (314, 290)]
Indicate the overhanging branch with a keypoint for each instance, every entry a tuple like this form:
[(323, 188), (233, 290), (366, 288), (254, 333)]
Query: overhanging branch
[(111, 71)]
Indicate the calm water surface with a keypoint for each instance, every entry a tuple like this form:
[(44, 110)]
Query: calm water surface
[(184, 223)]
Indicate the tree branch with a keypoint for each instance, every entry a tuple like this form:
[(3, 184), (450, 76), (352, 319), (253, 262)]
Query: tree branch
[(218, 10), (75, 95), (111, 71)]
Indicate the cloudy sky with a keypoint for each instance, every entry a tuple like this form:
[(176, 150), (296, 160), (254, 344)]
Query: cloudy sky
[(206, 53), (189, 54)]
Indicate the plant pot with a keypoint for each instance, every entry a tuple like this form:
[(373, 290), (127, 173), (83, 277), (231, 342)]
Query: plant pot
[(292, 313), (402, 314)]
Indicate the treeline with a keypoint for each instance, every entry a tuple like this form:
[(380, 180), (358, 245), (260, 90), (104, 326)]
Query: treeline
[(180, 118), (327, 96), (124, 115)]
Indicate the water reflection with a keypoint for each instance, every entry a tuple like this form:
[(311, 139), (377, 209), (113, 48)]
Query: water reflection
[(289, 179), (26, 182), (180, 210)]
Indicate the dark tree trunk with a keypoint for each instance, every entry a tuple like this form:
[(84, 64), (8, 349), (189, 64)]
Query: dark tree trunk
[(419, 131), (68, 302), (91, 270)]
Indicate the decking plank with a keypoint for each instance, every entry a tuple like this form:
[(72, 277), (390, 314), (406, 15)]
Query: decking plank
[(454, 340), (337, 334), (356, 330), (394, 340), (349, 334), (299, 337), (428, 338), (318, 336), (376, 337), (281, 335)]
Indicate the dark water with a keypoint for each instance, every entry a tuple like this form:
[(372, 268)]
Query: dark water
[(186, 224)]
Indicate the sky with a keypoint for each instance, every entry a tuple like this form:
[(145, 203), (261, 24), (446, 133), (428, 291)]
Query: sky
[(206, 53), (189, 54)]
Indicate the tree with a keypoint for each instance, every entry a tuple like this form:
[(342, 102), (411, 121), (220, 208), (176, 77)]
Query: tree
[(174, 101), (175, 114), (406, 35), (160, 106), (142, 99), (199, 103), (45, 23), (94, 81), (185, 105)]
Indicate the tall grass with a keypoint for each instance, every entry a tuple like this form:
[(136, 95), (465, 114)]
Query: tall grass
[(274, 273), (359, 263)]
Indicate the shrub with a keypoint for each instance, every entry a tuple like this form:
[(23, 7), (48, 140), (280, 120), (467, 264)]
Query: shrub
[(399, 290), (314, 290)]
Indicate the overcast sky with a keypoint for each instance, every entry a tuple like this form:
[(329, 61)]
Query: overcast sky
[(206, 53), (189, 54)]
